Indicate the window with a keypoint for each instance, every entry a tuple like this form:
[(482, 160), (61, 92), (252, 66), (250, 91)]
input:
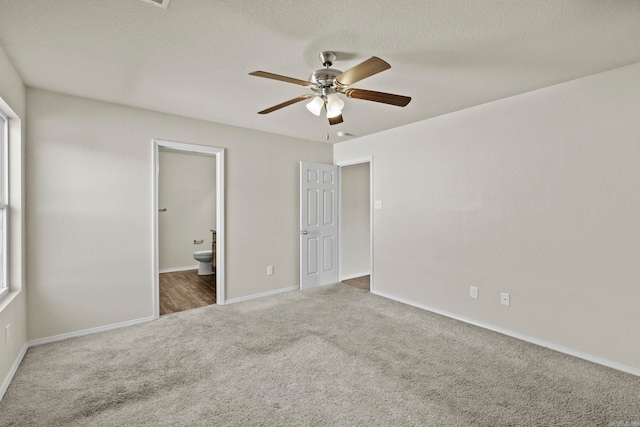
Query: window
[(4, 204)]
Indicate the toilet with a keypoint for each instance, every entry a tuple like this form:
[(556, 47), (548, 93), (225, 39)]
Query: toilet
[(205, 257)]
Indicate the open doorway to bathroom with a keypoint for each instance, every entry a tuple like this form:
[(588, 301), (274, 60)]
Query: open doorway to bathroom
[(355, 224), (187, 226), (186, 222)]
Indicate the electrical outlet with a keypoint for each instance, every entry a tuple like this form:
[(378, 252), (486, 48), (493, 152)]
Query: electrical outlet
[(378, 204), (7, 334), (504, 298), (473, 292), (270, 270)]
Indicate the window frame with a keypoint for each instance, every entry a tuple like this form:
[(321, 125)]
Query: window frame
[(4, 204)]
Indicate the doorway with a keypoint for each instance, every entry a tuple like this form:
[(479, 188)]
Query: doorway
[(177, 152), (356, 223)]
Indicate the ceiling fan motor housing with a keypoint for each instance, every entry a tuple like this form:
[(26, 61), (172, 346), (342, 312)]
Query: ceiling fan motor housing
[(323, 79)]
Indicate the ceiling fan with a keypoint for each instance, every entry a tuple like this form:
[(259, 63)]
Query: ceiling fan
[(326, 83)]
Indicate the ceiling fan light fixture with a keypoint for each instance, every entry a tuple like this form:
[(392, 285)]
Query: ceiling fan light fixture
[(334, 105), (333, 113), (315, 106)]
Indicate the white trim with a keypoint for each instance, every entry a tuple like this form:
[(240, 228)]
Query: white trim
[(353, 162), (562, 349), (174, 269), (357, 161), (300, 255), (6, 299), (220, 219), (5, 284), (47, 340), (155, 257), (13, 370), (263, 294), (353, 276)]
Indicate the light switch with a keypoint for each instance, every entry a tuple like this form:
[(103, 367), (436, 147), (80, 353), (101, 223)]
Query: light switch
[(473, 292)]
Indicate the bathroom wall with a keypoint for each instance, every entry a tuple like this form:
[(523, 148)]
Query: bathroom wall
[(13, 310), (187, 190), (535, 195), (90, 208), (354, 221)]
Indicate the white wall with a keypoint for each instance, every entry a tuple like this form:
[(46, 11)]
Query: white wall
[(535, 195), (187, 190), (354, 220), (13, 310), (90, 208)]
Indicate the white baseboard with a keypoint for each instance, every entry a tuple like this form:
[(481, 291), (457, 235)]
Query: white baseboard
[(174, 269), (353, 276), (262, 294), (13, 370), (562, 349), (89, 331)]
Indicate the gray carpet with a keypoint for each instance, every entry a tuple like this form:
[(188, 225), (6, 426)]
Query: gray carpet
[(332, 356)]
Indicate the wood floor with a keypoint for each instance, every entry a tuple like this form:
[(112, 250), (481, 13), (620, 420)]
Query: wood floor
[(359, 282), (184, 290)]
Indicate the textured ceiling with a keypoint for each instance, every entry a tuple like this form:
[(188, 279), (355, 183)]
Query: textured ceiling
[(193, 59)]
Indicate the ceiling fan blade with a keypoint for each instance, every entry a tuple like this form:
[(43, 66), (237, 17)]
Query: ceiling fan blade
[(368, 68), (385, 98), (280, 78), (335, 120), (285, 104)]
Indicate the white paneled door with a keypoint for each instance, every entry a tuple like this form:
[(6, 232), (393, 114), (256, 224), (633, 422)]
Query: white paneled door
[(318, 224)]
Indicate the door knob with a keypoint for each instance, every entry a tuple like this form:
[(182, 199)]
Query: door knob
[(304, 232)]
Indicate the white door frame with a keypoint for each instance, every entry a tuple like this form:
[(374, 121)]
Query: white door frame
[(220, 235), (340, 165)]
